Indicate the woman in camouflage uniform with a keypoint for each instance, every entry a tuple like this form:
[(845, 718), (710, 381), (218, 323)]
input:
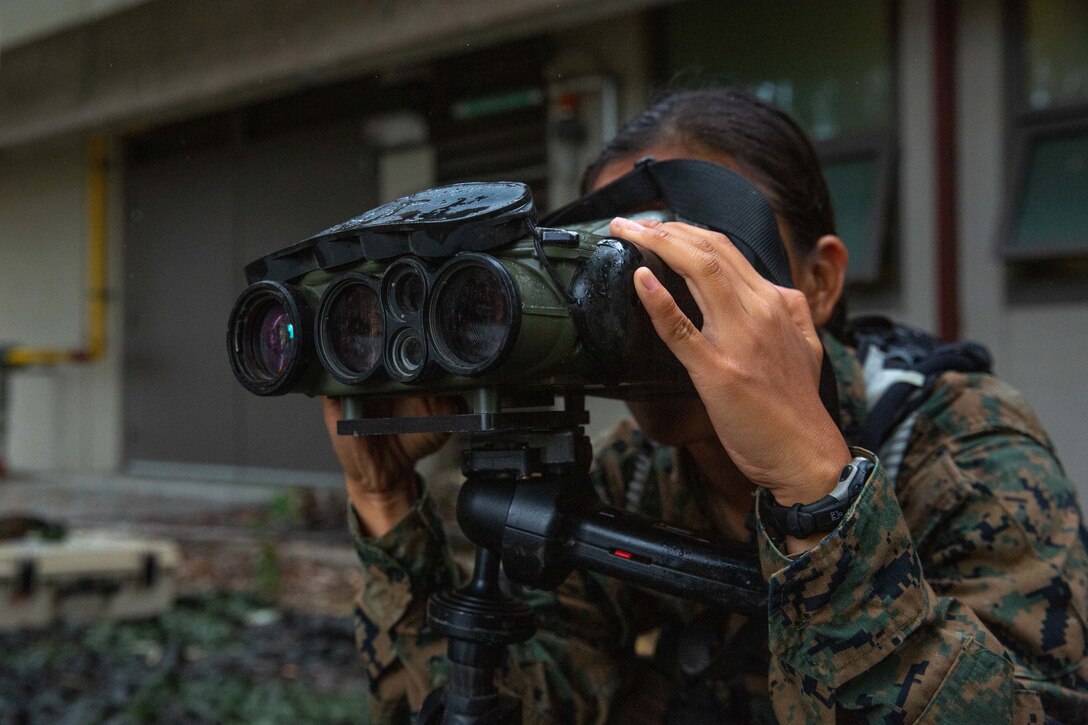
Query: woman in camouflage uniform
[(955, 587)]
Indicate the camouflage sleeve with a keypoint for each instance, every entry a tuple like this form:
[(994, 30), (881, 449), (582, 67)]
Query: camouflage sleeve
[(400, 570), (567, 673), (963, 599)]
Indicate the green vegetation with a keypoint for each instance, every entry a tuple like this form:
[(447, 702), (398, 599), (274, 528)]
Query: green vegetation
[(221, 658)]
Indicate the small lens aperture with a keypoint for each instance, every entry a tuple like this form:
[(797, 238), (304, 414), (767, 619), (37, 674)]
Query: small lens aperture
[(472, 315), (412, 352), (354, 329), (407, 353)]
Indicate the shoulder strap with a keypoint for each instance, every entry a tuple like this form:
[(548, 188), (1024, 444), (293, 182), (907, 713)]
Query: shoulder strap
[(917, 360)]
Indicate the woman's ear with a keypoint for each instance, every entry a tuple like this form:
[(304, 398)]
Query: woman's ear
[(822, 275)]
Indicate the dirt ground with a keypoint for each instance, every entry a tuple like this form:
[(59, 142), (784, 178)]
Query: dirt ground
[(289, 544), (261, 631)]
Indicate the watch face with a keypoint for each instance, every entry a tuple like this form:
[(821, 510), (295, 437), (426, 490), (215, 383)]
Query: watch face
[(824, 515)]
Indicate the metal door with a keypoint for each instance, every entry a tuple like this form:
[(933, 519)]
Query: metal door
[(199, 205)]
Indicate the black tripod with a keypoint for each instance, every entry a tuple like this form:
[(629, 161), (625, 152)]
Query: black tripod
[(480, 621), (527, 501)]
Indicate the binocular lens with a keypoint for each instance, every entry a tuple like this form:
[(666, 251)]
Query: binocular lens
[(353, 329), (407, 353), (268, 349), (268, 339), (408, 292), (471, 315), (355, 324), (404, 289)]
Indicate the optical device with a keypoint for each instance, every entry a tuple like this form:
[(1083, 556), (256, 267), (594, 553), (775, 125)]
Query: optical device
[(452, 290), (461, 290)]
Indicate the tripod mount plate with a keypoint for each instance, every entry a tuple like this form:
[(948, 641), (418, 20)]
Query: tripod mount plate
[(465, 423)]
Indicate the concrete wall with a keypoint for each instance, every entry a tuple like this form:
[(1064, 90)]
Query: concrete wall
[(912, 295), (23, 20), (1039, 345), (69, 417), (164, 59), (1035, 343), (115, 66), (64, 416), (917, 233)]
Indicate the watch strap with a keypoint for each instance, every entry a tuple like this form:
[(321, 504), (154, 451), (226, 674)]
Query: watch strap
[(822, 516)]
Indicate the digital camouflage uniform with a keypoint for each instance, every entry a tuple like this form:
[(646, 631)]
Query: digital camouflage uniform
[(955, 593)]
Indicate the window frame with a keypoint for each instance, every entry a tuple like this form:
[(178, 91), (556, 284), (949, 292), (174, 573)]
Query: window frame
[(880, 142), (881, 148), (1027, 133), (1025, 128)]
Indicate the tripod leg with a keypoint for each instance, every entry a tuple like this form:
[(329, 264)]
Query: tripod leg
[(480, 621)]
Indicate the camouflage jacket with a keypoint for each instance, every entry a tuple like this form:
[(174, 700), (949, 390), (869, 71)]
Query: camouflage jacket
[(956, 588)]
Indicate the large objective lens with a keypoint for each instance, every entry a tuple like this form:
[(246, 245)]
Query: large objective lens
[(265, 340), (352, 330), (268, 341), (472, 316)]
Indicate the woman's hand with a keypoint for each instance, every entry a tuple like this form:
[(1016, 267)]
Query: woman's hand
[(379, 471), (755, 363)]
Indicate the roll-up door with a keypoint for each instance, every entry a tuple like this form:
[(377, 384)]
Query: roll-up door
[(201, 202)]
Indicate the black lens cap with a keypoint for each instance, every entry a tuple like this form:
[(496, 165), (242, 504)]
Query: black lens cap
[(444, 206), (474, 216), (439, 223)]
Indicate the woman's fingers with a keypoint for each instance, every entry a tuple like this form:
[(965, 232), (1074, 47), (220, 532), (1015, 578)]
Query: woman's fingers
[(701, 255), (672, 325), (707, 282), (801, 316), (755, 363)]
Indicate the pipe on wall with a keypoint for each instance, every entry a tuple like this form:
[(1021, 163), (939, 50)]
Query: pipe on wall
[(944, 129), (95, 345)]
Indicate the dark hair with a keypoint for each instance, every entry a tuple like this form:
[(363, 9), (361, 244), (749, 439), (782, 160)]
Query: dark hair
[(770, 148)]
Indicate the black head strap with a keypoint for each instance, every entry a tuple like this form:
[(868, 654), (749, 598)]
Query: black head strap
[(713, 196), (699, 191)]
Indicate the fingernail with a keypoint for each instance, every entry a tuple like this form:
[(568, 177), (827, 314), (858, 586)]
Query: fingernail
[(627, 223), (649, 281)]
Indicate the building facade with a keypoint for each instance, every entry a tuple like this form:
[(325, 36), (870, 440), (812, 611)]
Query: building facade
[(173, 142)]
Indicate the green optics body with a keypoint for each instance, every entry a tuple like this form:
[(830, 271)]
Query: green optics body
[(453, 290), (545, 352), (570, 322)]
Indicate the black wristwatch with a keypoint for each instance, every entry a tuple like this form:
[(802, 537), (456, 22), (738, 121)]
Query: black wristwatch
[(803, 520)]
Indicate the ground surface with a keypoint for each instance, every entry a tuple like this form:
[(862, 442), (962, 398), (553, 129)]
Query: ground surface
[(261, 631), (213, 658)]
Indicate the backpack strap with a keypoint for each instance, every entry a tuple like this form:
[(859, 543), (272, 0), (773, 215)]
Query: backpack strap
[(899, 361)]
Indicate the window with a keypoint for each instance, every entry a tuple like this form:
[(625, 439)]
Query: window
[(845, 99), (489, 118), (858, 171), (1047, 203)]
